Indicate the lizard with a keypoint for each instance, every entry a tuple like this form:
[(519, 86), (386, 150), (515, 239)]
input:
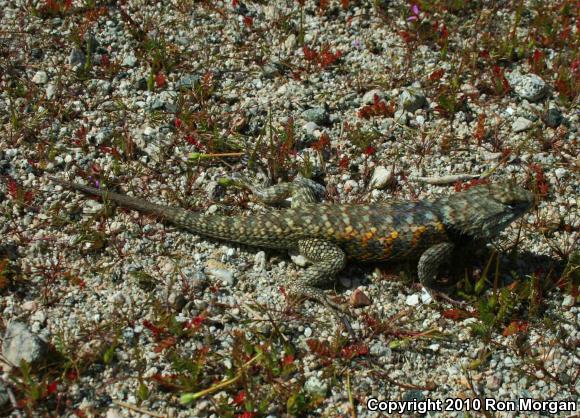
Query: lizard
[(328, 235)]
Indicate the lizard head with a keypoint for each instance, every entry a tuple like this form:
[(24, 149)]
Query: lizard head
[(485, 210)]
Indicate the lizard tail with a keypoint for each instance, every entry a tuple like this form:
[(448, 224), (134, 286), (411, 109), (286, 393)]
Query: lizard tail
[(162, 211), (247, 230)]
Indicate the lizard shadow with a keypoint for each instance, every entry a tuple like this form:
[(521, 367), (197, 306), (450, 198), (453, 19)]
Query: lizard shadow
[(511, 267)]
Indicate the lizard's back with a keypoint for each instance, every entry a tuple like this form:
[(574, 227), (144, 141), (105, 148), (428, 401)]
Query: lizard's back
[(371, 232)]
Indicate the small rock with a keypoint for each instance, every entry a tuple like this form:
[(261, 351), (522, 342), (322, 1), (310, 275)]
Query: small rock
[(103, 135), (564, 378), (228, 254), (272, 69), (434, 347), (257, 84), (187, 81), (225, 276), (214, 190), (50, 91), (140, 84), (40, 77), (426, 296), (212, 209), (412, 300), (369, 96), (315, 386), (318, 115), (469, 89), (113, 413), (568, 301), (560, 173), (494, 381), (350, 186), (157, 104), (359, 299), (553, 118), (529, 86), (198, 279), (129, 60), (298, 259), (490, 156), (381, 178), (21, 344), (290, 42), (166, 101), (92, 207), (308, 332), (413, 395), (37, 53), (177, 301), (215, 264), (117, 299), (412, 99), (29, 305), (521, 124), (401, 116), (76, 57), (260, 261), (310, 128), (379, 349)]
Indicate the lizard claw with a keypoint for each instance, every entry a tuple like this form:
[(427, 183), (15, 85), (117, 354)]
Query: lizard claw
[(342, 314), (347, 326), (445, 298)]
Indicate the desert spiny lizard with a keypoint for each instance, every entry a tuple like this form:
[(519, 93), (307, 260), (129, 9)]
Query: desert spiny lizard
[(328, 235)]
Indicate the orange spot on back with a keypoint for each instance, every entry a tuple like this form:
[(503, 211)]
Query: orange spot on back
[(417, 235)]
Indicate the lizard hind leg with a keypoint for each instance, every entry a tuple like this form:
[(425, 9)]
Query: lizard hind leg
[(301, 190), (327, 260)]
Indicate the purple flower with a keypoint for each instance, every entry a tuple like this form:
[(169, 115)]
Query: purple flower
[(415, 11), (356, 43), (96, 181)]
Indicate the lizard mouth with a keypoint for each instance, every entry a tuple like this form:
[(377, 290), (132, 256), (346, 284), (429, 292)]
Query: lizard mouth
[(497, 223), (519, 209)]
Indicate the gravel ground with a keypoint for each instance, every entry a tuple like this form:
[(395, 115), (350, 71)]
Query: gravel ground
[(107, 312)]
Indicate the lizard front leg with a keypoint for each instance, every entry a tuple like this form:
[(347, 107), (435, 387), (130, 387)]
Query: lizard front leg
[(301, 190)]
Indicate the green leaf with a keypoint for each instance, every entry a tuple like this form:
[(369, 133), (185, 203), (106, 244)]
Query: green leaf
[(143, 391), (108, 355), (480, 285)]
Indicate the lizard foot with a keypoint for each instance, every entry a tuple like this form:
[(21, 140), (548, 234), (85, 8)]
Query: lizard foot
[(438, 295), (340, 311)]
